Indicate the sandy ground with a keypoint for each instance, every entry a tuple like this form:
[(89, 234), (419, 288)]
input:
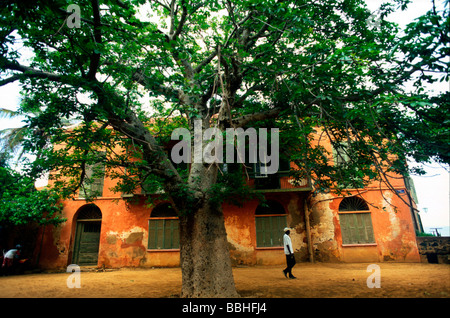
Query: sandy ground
[(321, 280)]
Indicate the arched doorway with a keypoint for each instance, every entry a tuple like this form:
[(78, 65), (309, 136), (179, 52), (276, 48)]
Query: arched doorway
[(87, 235)]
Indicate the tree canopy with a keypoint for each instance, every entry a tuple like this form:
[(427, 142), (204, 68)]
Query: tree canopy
[(130, 71), (307, 64)]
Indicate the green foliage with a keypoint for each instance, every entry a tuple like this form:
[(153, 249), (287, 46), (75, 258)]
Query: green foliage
[(231, 187), (22, 203), (424, 234), (129, 79)]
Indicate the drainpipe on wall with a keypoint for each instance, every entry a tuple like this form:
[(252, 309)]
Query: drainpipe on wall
[(40, 246), (416, 224), (308, 233)]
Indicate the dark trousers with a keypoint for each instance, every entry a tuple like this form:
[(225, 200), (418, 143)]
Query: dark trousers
[(290, 261)]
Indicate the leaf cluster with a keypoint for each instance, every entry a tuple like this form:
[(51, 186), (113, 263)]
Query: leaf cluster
[(22, 203)]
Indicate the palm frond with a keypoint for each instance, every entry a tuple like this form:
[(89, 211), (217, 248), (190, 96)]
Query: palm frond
[(8, 113), (11, 140)]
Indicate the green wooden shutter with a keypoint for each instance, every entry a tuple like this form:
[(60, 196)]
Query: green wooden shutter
[(171, 234), (259, 231), (345, 228), (340, 153), (163, 234), (175, 234), (356, 228), (93, 183), (368, 228), (155, 228), (277, 231), (97, 179), (269, 230)]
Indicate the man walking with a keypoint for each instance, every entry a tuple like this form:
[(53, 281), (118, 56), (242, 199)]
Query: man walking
[(289, 251)]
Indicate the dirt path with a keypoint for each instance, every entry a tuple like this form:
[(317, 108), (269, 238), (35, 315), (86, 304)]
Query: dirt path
[(320, 280)]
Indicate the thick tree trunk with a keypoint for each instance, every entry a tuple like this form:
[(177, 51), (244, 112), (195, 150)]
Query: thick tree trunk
[(204, 254), (205, 258)]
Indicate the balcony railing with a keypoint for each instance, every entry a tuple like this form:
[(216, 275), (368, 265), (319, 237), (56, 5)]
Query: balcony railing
[(278, 183)]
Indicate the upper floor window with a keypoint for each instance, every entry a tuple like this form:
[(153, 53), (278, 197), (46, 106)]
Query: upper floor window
[(341, 153), (93, 181), (259, 169)]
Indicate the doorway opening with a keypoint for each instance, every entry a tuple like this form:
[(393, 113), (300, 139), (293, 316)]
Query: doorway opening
[(87, 236)]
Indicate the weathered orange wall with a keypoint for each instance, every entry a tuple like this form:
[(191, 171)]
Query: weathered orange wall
[(123, 237), (394, 233), (124, 234), (124, 231), (241, 231)]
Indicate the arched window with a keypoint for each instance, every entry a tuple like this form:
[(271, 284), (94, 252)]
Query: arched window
[(356, 221), (89, 212), (353, 204), (270, 220), (163, 230)]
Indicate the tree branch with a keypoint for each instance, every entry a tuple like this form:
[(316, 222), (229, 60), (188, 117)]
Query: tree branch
[(254, 88), (95, 57), (169, 93), (205, 62), (404, 75), (11, 79), (162, 4), (28, 72), (246, 119), (182, 20)]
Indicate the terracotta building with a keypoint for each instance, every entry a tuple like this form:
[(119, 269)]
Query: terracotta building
[(372, 225)]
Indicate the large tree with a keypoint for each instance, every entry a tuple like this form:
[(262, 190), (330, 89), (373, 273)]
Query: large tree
[(144, 68)]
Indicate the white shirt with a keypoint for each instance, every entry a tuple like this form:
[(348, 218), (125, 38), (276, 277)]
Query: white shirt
[(287, 242), (11, 253)]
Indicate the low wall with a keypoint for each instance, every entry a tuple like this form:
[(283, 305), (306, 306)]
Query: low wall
[(434, 249)]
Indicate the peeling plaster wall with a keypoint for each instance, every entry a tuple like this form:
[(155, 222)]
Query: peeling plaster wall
[(241, 231), (239, 236), (395, 233), (392, 226), (124, 233), (124, 248), (323, 220), (387, 207), (123, 237)]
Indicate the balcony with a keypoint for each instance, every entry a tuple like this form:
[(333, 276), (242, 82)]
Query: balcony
[(278, 182), (257, 180)]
